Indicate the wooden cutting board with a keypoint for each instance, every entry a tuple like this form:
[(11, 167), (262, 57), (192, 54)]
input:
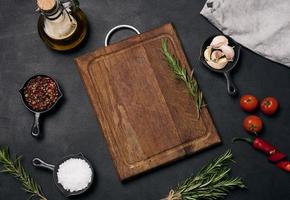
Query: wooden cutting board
[(147, 116)]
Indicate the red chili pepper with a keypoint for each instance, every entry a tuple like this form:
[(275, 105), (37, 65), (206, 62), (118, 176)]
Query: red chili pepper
[(274, 154), (277, 156), (285, 165)]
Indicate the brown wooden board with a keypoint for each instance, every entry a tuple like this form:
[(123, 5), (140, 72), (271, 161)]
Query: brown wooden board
[(147, 116)]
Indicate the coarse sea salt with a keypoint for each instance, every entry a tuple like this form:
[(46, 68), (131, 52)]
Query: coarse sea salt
[(74, 174)]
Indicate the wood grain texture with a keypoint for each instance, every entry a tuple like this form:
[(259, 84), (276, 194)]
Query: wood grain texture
[(147, 116)]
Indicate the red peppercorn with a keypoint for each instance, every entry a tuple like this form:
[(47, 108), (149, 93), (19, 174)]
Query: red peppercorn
[(41, 93)]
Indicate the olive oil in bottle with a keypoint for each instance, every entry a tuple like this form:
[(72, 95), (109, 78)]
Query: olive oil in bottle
[(62, 25)]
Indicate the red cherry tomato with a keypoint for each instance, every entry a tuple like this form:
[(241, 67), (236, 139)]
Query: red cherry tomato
[(248, 102), (269, 105), (253, 124)]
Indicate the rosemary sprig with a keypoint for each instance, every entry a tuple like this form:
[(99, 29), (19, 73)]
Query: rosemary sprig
[(15, 168), (210, 183), (181, 73)]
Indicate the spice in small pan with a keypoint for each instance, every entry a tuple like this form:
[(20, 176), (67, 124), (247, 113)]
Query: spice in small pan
[(74, 174), (219, 53), (41, 93)]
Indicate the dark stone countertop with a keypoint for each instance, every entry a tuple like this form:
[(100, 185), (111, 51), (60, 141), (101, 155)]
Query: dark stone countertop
[(73, 127)]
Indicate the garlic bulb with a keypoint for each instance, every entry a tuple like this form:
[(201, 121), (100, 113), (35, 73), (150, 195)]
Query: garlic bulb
[(220, 64), (219, 41), (228, 52), (219, 53), (207, 53), (216, 55)]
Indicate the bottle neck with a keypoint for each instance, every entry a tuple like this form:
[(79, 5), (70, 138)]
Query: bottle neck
[(59, 23), (55, 12)]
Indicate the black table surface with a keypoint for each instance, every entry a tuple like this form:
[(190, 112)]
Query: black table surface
[(73, 127)]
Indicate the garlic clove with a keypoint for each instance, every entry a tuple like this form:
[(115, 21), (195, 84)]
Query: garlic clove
[(220, 64), (219, 41), (207, 53), (216, 54), (228, 52)]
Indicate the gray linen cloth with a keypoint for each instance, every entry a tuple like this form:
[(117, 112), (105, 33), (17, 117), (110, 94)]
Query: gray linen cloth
[(260, 25)]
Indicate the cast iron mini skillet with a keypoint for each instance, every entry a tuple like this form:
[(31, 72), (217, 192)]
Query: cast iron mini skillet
[(232, 89), (39, 163), (35, 128)]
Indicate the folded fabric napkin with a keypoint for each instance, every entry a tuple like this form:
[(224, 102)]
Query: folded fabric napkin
[(260, 25)]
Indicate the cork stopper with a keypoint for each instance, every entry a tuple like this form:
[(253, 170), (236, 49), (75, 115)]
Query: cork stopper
[(46, 5)]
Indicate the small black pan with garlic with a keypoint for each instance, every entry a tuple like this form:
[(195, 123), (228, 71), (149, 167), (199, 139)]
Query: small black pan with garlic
[(219, 53)]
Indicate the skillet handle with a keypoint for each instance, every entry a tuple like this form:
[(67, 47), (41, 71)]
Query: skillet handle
[(232, 89), (35, 128), (40, 163)]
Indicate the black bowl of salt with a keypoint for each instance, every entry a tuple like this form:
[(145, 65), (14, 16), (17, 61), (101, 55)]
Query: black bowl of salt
[(73, 175)]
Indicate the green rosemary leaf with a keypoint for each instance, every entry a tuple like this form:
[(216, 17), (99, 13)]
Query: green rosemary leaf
[(15, 168), (181, 74), (212, 182)]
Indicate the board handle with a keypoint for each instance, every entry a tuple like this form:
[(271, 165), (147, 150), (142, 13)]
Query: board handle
[(123, 26)]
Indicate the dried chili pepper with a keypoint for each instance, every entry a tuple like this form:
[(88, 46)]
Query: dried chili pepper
[(274, 154), (285, 165)]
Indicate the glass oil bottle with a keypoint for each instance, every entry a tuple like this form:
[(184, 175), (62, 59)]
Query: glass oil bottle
[(62, 25)]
